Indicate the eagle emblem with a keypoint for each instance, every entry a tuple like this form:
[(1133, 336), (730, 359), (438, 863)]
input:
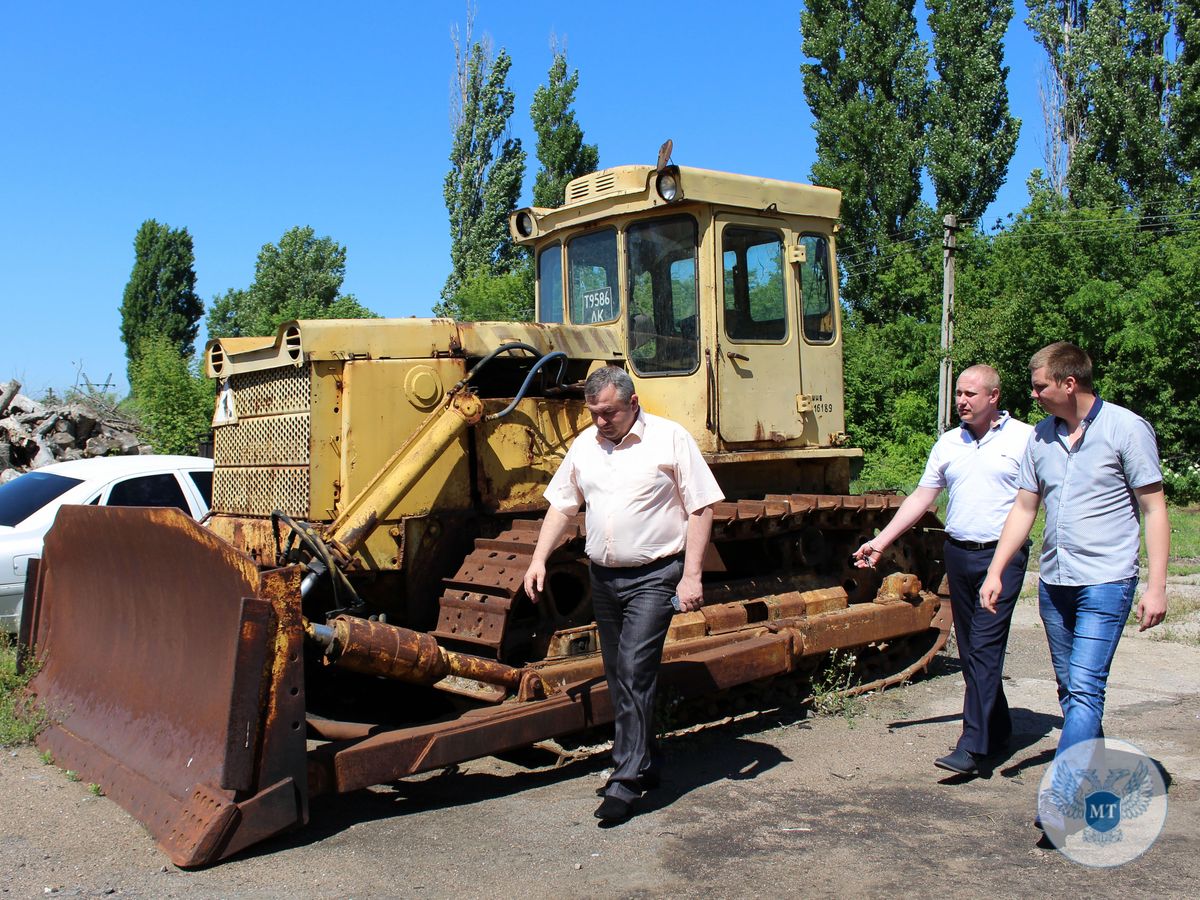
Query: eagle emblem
[(1078, 794)]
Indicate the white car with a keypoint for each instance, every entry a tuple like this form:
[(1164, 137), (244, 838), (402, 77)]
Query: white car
[(29, 503)]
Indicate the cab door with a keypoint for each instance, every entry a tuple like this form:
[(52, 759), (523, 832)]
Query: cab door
[(759, 362)]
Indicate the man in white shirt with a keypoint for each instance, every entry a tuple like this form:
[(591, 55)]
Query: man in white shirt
[(649, 496), (978, 464)]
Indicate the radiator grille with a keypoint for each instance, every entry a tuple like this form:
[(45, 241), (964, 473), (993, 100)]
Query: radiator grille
[(264, 441), (261, 491), (261, 461), (271, 391)]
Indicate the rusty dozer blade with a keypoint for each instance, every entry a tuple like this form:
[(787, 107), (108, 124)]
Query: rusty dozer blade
[(171, 671)]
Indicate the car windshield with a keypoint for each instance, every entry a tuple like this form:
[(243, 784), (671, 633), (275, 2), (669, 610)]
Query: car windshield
[(26, 494)]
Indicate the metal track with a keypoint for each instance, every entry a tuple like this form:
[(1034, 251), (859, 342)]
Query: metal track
[(802, 542)]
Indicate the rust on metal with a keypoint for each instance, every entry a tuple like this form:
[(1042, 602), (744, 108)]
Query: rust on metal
[(389, 651), (213, 667), (692, 668), (161, 688)]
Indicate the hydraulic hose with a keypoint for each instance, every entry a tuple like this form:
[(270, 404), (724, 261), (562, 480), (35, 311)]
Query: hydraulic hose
[(503, 348), (306, 536), (549, 357)]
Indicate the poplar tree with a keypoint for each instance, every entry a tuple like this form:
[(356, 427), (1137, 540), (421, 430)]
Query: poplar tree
[(972, 136), (486, 169), (1112, 90), (160, 297), (1185, 112), (867, 90), (560, 148)]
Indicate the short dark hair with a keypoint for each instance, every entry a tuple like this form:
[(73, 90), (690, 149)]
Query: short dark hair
[(1061, 361), (603, 377)]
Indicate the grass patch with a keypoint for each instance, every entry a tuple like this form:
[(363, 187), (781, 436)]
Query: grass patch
[(1181, 569), (1185, 541), (1173, 635), (1185, 533), (20, 720)]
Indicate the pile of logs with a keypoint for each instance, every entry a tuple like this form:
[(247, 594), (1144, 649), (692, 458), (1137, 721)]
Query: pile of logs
[(34, 434)]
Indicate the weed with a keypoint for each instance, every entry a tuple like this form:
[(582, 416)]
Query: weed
[(72, 775), (668, 710), (831, 687), (46, 757), (96, 790), (20, 718)]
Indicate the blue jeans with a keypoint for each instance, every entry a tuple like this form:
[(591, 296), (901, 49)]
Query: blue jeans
[(1083, 626)]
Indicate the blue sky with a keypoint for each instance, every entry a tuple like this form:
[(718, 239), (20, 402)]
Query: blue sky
[(240, 120)]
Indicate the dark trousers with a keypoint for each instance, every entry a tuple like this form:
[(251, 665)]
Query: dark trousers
[(982, 638), (633, 611)]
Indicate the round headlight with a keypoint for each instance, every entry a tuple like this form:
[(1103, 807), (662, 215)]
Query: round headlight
[(667, 185), (524, 224)]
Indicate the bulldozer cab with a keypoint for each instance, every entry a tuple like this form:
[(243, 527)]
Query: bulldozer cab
[(719, 288)]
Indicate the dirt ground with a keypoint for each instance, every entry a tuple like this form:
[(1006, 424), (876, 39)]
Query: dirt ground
[(777, 805)]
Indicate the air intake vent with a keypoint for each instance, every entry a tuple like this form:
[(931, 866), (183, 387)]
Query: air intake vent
[(591, 186)]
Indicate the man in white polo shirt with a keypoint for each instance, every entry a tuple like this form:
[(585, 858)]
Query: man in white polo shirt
[(978, 464), (649, 497)]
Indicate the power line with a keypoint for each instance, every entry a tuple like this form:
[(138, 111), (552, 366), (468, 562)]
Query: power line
[(1183, 223)]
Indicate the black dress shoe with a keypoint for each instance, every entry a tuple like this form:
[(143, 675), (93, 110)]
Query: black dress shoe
[(962, 762), (613, 809)]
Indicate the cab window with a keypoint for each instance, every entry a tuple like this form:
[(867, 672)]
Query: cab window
[(755, 305), (592, 277), (816, 290), (549, 284), (663, 335)]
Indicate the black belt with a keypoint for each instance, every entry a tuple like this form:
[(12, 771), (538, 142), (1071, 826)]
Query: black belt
[(659, 563), (971, 545)]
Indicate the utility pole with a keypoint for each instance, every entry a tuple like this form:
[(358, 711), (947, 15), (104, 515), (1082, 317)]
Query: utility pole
[(946, 373)]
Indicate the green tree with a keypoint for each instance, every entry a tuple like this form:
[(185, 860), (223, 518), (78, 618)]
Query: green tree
[(560, 146), (972, 136), (1125, 293), (1112, 89), (507, 297), (160, 297), (868, 93), (1185, 111), (486, 169), (173, 399), (298, 278), (890, 411)]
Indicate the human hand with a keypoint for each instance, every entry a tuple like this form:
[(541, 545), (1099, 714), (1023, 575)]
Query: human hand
[(866, 556), (535, 580), (690, 593), (989, 594), (1152, 608)]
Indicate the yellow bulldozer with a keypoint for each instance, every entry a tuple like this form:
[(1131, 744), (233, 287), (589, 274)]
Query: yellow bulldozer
[(352, 612)]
